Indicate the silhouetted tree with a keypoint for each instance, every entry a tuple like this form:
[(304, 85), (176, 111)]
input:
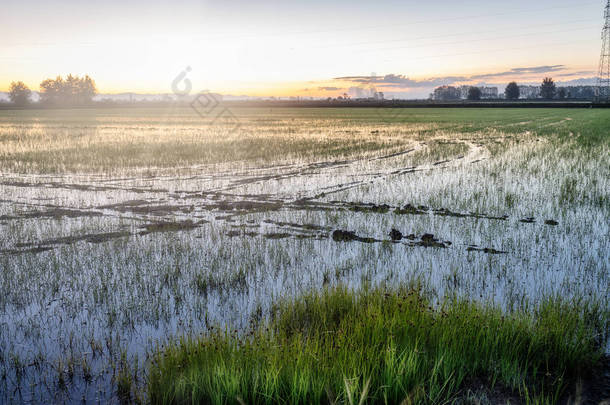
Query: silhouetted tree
[(512, 91), (474, 93), (562, 93), (548, 89), (446, 93), (51, 90), (19, 93), (72, 91)]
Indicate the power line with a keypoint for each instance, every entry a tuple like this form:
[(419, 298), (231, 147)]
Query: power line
[(563, 24), (550, 44), (480, 39), (278, 32), (578, 5), (456, 35), (211, 37)]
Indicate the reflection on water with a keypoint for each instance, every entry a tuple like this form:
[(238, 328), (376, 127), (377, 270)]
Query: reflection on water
[(97, 270)]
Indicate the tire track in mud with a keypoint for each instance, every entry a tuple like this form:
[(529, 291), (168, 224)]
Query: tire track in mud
[(229, 211), (300, 170), (476, 153), (79, 187), (188, 210), (236, 179)]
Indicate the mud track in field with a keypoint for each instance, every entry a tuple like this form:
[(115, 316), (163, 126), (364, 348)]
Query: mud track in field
[(226, 196)]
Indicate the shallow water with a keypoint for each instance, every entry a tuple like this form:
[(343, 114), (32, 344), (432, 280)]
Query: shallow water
[(96, 270)]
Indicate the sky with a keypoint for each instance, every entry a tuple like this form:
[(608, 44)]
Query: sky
[(308, 48)]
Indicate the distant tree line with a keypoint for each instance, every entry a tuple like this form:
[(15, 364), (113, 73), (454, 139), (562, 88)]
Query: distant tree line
[(548, 90), (71, 91)]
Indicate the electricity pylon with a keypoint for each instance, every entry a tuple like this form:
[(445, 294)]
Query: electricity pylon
[(603, 79)]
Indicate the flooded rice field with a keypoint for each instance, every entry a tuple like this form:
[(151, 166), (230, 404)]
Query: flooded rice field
[(122, 230)]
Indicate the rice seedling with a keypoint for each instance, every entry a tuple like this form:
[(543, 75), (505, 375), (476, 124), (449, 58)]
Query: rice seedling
[(125, 230), (384, 346)]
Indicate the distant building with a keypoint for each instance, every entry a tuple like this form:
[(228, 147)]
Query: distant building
[(464, 92), (529, 92), (446, 93), (579, 92), (378, 95), (489, 92), (570, 92)]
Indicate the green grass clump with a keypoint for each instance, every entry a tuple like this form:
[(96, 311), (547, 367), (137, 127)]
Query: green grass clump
[(376, 346)]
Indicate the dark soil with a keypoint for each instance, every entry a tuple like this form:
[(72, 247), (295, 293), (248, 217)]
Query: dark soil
[(347, 236), (170, 227), (491, 251)]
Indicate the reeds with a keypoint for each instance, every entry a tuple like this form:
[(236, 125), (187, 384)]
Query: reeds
[(379, 346)]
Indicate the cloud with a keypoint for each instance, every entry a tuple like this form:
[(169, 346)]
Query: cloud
[(521, 71), (581, 73), (400, 81), (394, 81), (329, 88), (582, 81)]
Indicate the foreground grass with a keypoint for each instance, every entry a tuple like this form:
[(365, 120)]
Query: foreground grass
[(383, 347)]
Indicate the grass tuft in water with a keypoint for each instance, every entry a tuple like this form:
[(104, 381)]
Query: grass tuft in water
[(376, 346)]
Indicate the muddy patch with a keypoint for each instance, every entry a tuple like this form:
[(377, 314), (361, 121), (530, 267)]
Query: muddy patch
[(143, 207), (394, 155), (24, 251), (77, 187), (54, 213), (347, 236), (245, 206), (370, 208), (304, 227), (236, 234), (50, 244), (161, 227), (277, 235), (428, 240), (411, 210), (491, 251), (443, 212), (395, 235)]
